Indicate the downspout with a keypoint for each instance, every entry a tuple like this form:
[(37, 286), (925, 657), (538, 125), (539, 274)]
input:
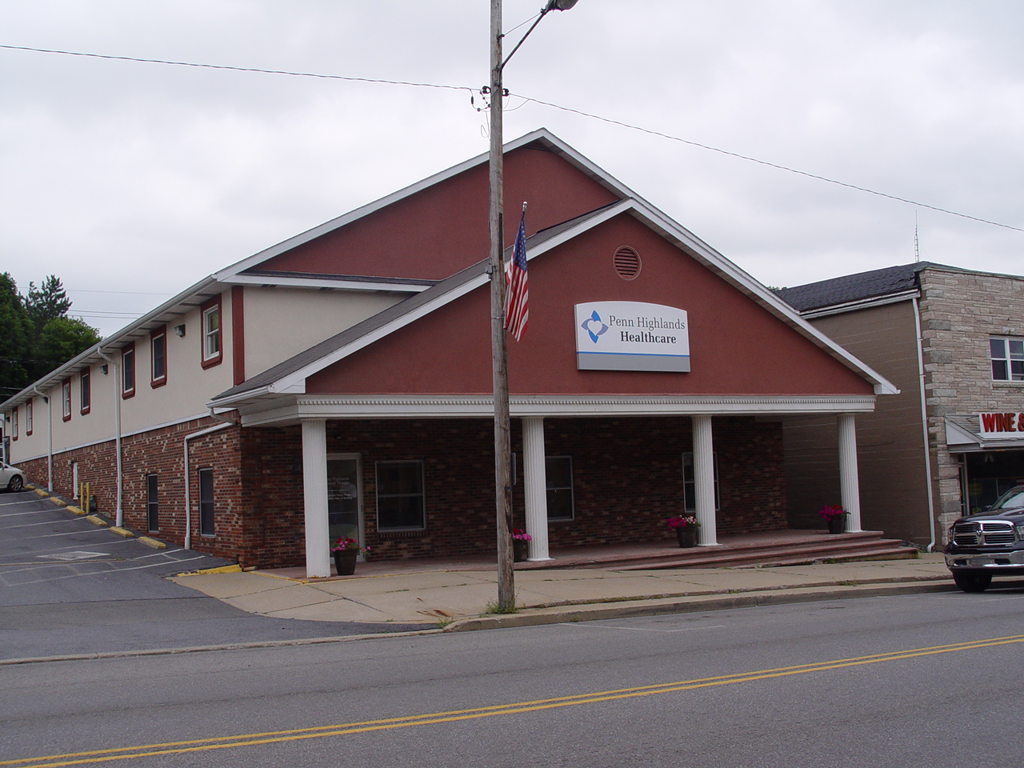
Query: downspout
[(924, 425), (119, 514), (188, 474), (49, 446)]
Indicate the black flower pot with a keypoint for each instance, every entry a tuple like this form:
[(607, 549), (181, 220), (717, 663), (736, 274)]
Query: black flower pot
[(837, 524), (520, 550), (345, 561), (687, 536)]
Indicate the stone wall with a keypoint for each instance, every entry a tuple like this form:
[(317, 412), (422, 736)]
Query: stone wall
[(959, 312)]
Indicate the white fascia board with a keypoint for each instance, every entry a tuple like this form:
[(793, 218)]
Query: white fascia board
[(853, 306), (339, 285), (481, 406)]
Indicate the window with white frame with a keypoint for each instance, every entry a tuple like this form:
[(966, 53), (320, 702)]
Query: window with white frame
[(29, 416), (401, 505), (14, 423), (558, 471), (1007, 355), (85, 390), (158, 358), (128, 371), (690, 484), (65, 399), (212, 338)]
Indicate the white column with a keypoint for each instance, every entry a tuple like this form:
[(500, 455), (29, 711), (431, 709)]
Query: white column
[(704, 480), (314, 497), (849, 482), (536, 487)]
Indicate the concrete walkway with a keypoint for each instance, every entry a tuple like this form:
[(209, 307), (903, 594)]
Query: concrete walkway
[(460, 599)]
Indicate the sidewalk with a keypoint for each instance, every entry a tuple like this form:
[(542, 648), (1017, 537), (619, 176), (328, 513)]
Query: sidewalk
[(460, 599)]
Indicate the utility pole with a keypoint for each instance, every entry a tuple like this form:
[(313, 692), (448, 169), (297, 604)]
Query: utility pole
[(499, 355)]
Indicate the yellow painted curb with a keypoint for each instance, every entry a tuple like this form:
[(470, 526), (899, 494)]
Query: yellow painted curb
[(75, 510), (41, 492), (151, 542), (122, 532), (206, 571), (95, 520), (58, 502)]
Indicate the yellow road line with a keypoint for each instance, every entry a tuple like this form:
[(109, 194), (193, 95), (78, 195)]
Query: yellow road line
[(433, 718)]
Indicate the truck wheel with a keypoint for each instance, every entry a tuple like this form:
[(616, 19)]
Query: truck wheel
[(970, 581)]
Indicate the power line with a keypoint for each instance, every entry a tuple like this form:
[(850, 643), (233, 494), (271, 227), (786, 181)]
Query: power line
[(258, 70), (571, 110), (777, 166)]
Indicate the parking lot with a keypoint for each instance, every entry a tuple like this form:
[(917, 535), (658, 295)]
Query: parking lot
[(70, 587)]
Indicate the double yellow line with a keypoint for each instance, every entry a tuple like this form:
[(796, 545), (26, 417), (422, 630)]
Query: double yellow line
[(433, 718)]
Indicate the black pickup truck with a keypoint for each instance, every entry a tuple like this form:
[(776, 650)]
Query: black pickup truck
[(988, 544)]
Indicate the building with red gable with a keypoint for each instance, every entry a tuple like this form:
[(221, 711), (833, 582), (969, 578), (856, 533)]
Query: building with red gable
[(339, 383)]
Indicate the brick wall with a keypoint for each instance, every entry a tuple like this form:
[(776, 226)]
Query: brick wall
[(959, 312), (627, 480)]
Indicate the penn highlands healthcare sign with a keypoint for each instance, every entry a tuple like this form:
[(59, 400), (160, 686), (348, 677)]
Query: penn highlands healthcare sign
[(631, 336)]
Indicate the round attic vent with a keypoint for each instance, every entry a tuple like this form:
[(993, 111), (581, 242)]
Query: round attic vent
[(627, 263)]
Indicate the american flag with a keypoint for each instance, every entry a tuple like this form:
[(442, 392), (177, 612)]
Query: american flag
[(517, 293)]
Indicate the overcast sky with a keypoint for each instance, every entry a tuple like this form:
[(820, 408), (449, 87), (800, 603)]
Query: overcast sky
[(131, 181)]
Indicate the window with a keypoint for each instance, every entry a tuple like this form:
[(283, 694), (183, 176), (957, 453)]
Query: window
[(559, 486), (128, 371), (206, 526), (65, 399), (28, 416), (158, 358), (400, 502), (152, 507), (1007, 358), (690, 483), (14, 423), (85, 390), (212, 346)]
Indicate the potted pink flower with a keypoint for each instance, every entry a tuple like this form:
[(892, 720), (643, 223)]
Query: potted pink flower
[(685, 527), (520, 544), (345, 551), (834, 517)]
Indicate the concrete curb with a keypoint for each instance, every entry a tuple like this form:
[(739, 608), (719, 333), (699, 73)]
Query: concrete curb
[(530, 617)]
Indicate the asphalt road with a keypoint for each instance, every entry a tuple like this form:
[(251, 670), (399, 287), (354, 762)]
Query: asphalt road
[(922, 680), (70, 587)]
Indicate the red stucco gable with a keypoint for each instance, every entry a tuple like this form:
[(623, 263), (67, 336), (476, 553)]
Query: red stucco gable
[(737, 346), (439, 230)]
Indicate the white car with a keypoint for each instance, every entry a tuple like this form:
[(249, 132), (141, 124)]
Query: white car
[(11, 478)]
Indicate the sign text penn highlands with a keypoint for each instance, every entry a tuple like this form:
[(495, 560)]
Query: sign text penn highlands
[(631, 336)]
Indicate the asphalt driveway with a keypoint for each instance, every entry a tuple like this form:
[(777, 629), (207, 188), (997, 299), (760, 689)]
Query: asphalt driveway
[(70, 587)]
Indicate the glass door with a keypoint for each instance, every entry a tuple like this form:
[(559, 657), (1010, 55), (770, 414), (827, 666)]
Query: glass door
[(344, 497)]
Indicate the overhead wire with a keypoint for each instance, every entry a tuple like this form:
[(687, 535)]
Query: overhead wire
[(540, 102)]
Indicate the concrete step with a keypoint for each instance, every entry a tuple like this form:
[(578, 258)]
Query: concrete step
[(846, 547)]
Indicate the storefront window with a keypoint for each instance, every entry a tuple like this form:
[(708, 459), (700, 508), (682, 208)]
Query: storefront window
[(559, 486), (690, 484), (400, 502)]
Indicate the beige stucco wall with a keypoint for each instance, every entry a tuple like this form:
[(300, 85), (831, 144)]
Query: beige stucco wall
[(189, 387), (890, 441), (281, 322)]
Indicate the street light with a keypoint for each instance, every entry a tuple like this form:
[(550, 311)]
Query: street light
[(499, 362)]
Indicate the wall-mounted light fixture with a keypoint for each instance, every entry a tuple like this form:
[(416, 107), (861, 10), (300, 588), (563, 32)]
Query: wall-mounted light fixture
[(103, 369), (180, 330)]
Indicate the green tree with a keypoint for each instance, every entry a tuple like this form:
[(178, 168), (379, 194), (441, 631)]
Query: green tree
[(61, 339), (15, 339), (46, 302)]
